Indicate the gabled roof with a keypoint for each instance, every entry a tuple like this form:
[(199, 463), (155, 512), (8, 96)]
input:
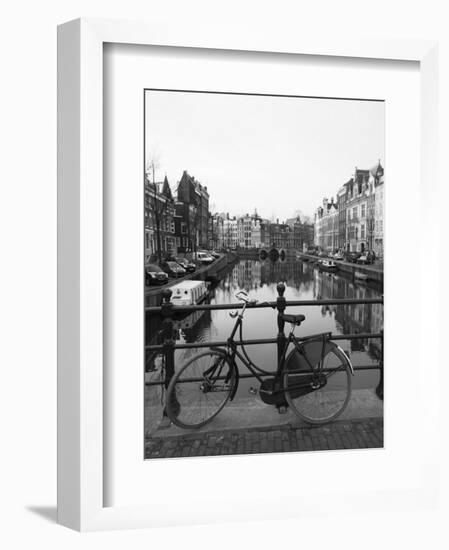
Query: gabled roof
[(377, 170), (292, 221), (161, 187), (360, 175)]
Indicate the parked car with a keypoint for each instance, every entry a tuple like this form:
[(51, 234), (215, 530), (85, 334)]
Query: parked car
[(352, 257), (322, 254), (189, 266), (338, 256), (215, 254), (154, 275), (203, 258), (207, 254), (366, 258), (173, 269)]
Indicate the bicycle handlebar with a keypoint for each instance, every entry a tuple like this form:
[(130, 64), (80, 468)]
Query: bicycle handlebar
[(242, 296)]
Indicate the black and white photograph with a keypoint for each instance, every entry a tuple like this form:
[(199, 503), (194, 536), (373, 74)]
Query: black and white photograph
[(263, 271)]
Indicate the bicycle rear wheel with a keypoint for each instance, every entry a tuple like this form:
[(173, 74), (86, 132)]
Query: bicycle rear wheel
[(317, 382), (200, 389)]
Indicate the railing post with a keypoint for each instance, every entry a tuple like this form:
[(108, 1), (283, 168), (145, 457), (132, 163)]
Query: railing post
[(280, 304), (168, 337), (380, 385)]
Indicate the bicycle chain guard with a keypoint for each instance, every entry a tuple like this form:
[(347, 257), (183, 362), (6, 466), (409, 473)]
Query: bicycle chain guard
[(271, 393)]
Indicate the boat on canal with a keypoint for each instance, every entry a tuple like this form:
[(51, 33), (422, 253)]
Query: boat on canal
[(327, 265), (360, 276), (189, 293)]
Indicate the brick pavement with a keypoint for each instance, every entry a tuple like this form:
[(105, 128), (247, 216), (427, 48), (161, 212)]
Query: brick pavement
[(343, 434)]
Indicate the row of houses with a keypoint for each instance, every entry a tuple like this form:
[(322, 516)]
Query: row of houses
[(251, 231), (181, 222), (354, 221), (178, 223)]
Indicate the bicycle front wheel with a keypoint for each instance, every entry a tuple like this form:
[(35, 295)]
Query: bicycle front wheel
[(317, 382), (200, 389)]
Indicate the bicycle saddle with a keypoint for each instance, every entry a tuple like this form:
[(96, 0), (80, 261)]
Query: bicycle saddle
[(294, 319)]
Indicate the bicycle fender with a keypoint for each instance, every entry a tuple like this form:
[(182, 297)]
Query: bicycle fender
[(349, 362), (236, 385)]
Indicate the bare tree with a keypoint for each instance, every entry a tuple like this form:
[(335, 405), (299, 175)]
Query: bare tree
[(196, 221), (158, 203), (213, 230)]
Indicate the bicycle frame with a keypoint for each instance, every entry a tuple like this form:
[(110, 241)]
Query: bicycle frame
[(232, 353)]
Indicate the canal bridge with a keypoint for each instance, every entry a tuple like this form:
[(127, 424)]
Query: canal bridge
[(273, 253)]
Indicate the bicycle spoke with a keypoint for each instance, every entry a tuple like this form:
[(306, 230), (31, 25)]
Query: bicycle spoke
[(200, 390), (328, 383)]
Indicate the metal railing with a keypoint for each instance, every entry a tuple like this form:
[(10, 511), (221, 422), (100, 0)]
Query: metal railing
[(168, 311)]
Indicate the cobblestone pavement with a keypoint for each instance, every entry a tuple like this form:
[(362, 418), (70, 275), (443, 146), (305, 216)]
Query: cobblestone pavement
[(344, 434)]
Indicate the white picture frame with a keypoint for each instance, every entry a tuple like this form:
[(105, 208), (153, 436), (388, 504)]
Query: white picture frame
[(80, 245)]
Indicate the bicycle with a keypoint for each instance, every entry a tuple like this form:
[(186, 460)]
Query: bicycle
[(314, 379)]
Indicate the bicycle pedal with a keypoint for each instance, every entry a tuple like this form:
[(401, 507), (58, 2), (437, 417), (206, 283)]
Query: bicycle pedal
[(282, 409), (252, 391)]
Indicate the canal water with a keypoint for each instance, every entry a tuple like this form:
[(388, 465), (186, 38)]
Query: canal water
[(303, 282)]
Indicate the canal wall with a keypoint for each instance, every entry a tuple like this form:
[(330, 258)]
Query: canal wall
[(248, 253), (373, 272), (211, 272)]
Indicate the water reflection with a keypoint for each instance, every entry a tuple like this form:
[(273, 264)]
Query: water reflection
[(303, 282)]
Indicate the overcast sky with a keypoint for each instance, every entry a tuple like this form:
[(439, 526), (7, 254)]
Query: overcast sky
[(276, 154)]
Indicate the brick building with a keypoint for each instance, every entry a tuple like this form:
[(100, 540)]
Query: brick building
[(159, 213), (192, 210)]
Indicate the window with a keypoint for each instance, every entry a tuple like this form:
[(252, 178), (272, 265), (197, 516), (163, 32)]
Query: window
[(183, 227), (354, 213), (363, 211), (362, 231)]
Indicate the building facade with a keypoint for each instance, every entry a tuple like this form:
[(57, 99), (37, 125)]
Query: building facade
[(358, 222), (192, 206), (355, 222), (341, 203), (318, 222), (249, 231), (229, 232), (159, 214), (185, 232), (216, 232), (327, 225), (301, 234), (377, 175)]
